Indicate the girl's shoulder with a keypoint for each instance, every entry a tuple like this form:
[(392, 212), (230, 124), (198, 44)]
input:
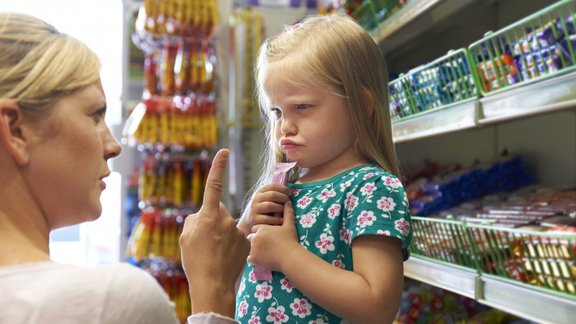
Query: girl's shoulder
[(371, 173)]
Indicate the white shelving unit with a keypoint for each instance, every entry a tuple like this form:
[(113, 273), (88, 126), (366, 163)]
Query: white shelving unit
[(519, 300), (537, 120)]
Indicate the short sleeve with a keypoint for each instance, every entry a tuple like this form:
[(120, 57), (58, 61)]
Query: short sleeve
[(378, 206)]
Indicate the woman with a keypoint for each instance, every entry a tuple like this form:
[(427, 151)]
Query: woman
[(54, 148)]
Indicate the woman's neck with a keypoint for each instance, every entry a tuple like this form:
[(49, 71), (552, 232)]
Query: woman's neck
[(18, 246), (24, 232)]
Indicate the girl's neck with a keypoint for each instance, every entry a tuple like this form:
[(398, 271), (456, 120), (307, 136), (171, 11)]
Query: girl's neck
[(320, 174)]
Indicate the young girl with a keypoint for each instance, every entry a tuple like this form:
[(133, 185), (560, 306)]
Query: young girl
[(323, 92)]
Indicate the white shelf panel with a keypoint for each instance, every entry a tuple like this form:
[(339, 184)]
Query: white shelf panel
[(528, 303), (539, 97), (412, 20), (456, 279), (411, 11), (517, 299), (445, 120)]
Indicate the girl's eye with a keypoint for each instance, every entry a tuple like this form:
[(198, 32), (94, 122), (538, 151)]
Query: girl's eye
[(277, 112), (303, 106)]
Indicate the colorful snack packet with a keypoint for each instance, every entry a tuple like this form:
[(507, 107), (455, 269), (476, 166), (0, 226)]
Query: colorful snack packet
[(280, 175)]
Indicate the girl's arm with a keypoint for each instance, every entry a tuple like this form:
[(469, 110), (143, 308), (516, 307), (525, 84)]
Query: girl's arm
[(370, 294)]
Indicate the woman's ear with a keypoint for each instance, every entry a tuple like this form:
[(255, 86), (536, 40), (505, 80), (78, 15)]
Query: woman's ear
[(12, 134)]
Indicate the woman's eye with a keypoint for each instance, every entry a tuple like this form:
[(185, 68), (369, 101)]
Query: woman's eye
[(99, 115), (303, 106)]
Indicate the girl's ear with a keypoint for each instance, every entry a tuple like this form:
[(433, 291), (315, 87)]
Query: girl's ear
[(370, 103), (12, 134)]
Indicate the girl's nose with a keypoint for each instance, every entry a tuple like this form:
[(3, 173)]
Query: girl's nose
[(288, 127)]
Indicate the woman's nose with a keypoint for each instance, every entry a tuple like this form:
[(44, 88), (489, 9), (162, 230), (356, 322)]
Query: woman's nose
[(111, 146)]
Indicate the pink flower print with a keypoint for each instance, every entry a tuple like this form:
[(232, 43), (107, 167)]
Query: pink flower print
[(242, 309), (338, 264), (366, 218), (252, 276), (325, 243), (386, 204), (334, 211), (368, 189), (368, 176), (383, 233), (285, 284), (403, 226), (308, 220), (254, 320), (303, 202), (263, 291), (301, 307), (277, 315), (391, 182), (294, 192), (345, 185), (326, 194), (351, 202), (242, 286), (345, 235)]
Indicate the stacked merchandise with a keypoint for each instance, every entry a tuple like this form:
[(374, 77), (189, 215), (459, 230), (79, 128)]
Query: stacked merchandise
[(526, 52), (422, 303), (537, 47), (175, 128), (490, 219), (444, 82), (435, 188)]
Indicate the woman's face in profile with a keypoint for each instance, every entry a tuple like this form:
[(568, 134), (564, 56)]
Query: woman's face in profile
[(68, 157)]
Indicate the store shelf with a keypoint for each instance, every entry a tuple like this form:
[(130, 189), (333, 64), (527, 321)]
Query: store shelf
[(457, 279), (416, 16), (445, 120), (529, 303), (554, 94), (539, 97)]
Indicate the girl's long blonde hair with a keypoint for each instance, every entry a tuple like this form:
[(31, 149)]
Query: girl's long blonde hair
[(334, 53)]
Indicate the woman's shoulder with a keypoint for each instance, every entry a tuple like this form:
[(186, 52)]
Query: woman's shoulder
[(116, 293), (133, 290)]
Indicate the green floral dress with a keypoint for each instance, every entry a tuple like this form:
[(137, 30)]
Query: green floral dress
[(364, 200)]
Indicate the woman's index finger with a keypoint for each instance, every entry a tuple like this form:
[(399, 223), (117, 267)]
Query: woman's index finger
[(215, 180)]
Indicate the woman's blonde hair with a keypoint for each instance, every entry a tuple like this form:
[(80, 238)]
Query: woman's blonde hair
[(38, 64), (333, 53)]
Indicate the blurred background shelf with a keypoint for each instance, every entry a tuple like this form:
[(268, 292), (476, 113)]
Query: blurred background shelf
[(532, 304)]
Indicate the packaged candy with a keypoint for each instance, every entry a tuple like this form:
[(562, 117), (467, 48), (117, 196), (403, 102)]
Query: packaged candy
[(280, 175)]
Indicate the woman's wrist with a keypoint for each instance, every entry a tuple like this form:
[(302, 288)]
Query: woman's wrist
[(213, 300)]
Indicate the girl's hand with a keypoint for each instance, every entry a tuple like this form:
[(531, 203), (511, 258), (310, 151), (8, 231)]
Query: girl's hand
[(266, 207), (271, 245)]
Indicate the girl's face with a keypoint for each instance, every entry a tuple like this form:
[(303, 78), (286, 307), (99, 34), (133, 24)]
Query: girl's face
[(68, 158), (312, 127)]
